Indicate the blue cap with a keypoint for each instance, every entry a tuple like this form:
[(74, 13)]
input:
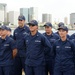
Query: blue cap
[(4, 27), (33, 22), (9, 29), (63, 27), (48, 24), (21, 17), (60, 24)]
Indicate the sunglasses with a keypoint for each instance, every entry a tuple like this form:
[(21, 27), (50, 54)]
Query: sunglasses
[(31, 25), (19, 20)]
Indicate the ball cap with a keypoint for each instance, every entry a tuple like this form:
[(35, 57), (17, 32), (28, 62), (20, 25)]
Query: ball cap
[(63, 27), (48, 24), (60, 24), (4, 27), (33, 22), (21, 17)]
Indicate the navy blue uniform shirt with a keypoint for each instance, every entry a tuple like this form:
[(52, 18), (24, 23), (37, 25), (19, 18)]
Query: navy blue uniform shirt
[(52, 38), (6, 47), (18, 35), (64, 54), (35, 49)]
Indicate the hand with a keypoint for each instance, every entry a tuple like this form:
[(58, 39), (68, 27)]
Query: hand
[(14, 53)]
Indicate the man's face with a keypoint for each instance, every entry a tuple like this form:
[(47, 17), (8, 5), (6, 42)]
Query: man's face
[(48, 29), (62, 33), (33, 28), (21, 23), (4, 32)]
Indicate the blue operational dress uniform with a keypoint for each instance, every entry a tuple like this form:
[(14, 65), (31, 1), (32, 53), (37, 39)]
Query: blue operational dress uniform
[(49, 58), (18, 35), (6, 59), (64, 55), (35, 59)]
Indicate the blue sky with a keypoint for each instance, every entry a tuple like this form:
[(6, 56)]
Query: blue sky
[(58, 8)]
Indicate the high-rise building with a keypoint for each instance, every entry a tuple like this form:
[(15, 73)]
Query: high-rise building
[(66, 20), (72, 18), (24, 11), (46, 18), (3, 14), (13, 17), (33, 13)]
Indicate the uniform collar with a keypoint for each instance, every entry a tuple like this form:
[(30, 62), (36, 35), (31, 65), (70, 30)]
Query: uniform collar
[(50, 35), (22, 27), (65, 40), (5, 38), (37, 34)]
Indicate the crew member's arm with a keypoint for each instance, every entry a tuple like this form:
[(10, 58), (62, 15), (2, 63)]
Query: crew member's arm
[(14, 48)]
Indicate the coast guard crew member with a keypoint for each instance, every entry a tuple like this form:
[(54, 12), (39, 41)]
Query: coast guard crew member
[(35, 43), (19, 33), (52, 37), (8, 51), (64, 54)]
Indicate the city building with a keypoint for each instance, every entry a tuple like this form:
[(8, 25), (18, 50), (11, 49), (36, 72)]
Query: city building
[(3, 14), (46, 18), (33, 13), (12, 17), (66, 20), (72, 18)]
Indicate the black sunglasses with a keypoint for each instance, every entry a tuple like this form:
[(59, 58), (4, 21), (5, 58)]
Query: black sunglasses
[(19, 20), (31, 25)]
